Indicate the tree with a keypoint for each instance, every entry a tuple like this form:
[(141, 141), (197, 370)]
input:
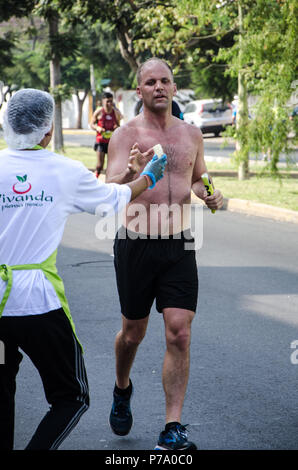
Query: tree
[(255, 42), (119, 15), (96, 47), (265, 56), (189, 45), (60, 44), (9, 9)]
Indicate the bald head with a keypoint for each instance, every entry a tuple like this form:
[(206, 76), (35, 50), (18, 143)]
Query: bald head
[(149, 62)]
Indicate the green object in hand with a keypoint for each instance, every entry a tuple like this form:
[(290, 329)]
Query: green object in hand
[(107, 134), (208, 186)]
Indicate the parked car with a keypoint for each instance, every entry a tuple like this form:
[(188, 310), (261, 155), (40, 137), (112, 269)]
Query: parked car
[(212, 116)]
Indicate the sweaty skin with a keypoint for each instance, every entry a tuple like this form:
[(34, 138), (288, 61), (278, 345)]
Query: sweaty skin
[(183, 145)]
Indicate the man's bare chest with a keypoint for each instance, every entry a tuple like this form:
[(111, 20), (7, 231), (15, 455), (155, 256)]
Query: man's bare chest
[(181, 153)]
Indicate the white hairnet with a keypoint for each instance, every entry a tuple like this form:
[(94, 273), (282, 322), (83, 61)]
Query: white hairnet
[(27, 118)]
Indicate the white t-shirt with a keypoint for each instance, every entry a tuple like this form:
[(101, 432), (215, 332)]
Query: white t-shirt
[(39, 189)]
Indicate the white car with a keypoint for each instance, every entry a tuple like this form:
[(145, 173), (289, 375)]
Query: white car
[(211, 116)]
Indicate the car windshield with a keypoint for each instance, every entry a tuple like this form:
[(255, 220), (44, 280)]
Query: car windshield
[(213, 107), (190, 108)]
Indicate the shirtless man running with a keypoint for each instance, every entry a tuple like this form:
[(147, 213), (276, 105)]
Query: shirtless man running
[(150, 259)]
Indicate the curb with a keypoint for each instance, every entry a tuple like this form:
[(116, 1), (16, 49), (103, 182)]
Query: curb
[(234, 173), (78, 131), (256, 209)]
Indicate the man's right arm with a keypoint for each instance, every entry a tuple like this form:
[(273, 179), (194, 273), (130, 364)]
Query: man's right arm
[(94, 119)]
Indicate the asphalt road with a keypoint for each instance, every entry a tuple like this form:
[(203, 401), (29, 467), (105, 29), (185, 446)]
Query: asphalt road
[(242, 391)]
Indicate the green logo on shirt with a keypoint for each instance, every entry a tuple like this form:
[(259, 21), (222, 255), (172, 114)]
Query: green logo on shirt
[(22, 186), (21, 198)]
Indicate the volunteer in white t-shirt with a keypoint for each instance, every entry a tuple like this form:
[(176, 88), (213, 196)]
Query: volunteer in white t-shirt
[(39, 189)]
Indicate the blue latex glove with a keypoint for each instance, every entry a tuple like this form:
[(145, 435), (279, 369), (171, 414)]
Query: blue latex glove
[(155, 169)]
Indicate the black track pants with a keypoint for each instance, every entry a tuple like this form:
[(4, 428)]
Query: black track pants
[(49, 342)]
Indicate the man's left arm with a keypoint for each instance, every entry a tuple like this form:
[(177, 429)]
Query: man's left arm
[(118, 116), (215, 201)]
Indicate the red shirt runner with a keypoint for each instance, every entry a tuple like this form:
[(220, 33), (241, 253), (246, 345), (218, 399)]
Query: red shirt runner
[(108, 122)]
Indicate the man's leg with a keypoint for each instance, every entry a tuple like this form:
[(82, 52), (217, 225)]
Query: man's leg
[(175, 378), (100, 155), (176, 361), (126, 345)]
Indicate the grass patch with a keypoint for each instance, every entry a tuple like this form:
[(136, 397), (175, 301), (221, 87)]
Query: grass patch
[(280, 193), (85, 155)]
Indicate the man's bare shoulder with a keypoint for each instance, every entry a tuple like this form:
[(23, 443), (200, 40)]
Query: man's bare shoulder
[(194, 131), (189, 132), (97, 113), (128, 128), (126, 133)]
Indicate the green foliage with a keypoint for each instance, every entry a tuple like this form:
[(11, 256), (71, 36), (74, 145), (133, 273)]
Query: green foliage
[(61, 92), (64, 44), (263, 58), (9, 8), (6, 59), (269, 130), (30, 69), (189, 43)]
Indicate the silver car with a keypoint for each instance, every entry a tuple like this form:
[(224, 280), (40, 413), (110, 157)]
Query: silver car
[(211, 116)]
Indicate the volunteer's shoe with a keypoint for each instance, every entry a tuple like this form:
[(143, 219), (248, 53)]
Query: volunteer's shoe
[(120, 416), (175, 439)]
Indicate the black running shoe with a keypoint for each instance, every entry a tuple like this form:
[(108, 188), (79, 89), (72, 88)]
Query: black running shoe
[(175, 439), (120, 416)]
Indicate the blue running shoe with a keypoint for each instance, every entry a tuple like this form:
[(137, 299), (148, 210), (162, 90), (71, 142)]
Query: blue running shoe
[(120, 416), (175, 439)]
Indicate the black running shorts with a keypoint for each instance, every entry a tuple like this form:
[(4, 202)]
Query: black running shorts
[(154, 268), (101, 147)]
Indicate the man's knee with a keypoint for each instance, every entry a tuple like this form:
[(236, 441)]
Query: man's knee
[(178, 329), (134, 331), (133, 338), (180, 339)]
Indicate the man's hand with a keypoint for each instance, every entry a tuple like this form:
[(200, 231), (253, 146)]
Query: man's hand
[(138, 160), (212, 202), (215, 201)]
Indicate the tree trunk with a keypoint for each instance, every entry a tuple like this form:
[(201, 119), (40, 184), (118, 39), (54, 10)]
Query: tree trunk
[(242, 111), (80, 108), (93, 87), (55, 80), (126, 47)]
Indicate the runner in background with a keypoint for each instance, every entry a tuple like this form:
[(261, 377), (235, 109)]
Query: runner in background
[(104, 121)]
